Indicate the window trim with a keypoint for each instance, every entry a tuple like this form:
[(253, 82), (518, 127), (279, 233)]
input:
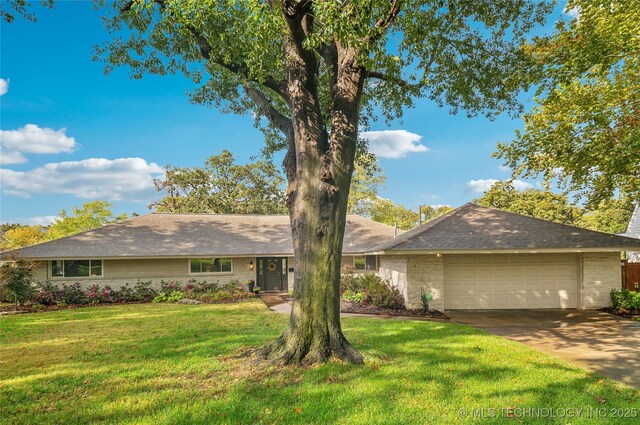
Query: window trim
[(190, 273), (63, 277), (365, 269)]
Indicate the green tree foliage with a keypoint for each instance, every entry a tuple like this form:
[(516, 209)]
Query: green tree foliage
[(18, 236), (610, 216), (16, 277), (387, 212), (9, 9), (90, 216), (222, 187), (318, 71), (585, 128), (431, 212), (366, 182)]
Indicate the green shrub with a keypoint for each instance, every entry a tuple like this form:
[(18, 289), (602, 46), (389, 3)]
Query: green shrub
[(162, 298), (71, 294), (17, 279), (169, 287), (369, 288), (356, 297), (46, 294), (626, 299), (142, 291), (175, 296)]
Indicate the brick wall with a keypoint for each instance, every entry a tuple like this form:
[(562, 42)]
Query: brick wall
[(600, 274), (425, 272)]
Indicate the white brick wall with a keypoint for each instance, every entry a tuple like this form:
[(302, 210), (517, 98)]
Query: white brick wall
[(412, 273), (600, 273), (394, 270), (425, 272)]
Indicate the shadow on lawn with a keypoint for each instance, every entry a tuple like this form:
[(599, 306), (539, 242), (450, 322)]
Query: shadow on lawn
[(168, 364)]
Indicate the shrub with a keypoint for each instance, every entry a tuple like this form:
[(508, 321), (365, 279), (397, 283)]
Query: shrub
[(46, 294), (142, 291), (162, 298), (370, 289), (17, 279), (169, 287), (71, 294), (626, 299), (124, 294), (356, 297)]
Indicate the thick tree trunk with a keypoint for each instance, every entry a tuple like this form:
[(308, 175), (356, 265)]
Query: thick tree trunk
[(314, 333), (319, 170)]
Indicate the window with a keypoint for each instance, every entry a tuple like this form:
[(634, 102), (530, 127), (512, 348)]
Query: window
[(210, 265), (76, 268), (365, 262)]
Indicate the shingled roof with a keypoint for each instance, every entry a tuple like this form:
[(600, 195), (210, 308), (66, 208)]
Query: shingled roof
[(478, 228), (189, 235)]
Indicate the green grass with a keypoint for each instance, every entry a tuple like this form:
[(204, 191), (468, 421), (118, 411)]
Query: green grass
[(159, 363)]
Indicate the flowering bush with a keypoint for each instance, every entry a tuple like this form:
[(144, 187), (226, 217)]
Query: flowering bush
[(370, 289), (46, 294), (72, 294)]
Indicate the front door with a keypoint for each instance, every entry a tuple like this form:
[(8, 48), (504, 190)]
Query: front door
[(272, 274)]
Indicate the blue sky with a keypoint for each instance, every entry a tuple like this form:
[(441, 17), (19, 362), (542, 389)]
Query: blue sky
[(72, 134)]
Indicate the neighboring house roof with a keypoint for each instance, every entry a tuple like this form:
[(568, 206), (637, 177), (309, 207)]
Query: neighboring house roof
[(478, 228), (191, 235), (633, 230)]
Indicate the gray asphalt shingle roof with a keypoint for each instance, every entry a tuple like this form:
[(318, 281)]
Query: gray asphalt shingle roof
[(180, 235), (474, 227)]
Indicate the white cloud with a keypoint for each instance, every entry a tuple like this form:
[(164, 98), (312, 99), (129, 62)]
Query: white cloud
[(33, 139), (11, 157), (44, 220), (482, 185), (504, 168), (123, 179), (4, 86), (393, 143)]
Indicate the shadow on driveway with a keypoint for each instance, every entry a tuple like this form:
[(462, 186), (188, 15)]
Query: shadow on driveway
[(605, 344)]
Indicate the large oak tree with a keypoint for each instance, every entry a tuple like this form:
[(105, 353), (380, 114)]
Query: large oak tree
[(319, 71)]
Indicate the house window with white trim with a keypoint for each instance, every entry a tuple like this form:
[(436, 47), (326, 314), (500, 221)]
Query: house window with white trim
[(365, 262), (76, 268), (210, 265)]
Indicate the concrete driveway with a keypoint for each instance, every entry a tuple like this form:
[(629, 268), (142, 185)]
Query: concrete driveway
[(606, 344)]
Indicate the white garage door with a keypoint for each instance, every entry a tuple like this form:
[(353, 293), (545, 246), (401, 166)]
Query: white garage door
[(504, 281)]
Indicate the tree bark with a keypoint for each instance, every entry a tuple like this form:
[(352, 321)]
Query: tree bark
[(319, 170)]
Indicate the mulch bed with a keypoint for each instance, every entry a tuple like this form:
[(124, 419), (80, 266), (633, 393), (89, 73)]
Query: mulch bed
[(622, 312), (351, 307)]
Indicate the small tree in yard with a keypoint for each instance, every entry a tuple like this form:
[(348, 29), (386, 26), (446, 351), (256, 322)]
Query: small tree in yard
[(319, 71), (17, 278)]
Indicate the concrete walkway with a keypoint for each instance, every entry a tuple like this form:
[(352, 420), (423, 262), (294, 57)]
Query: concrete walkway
[(606, 344)]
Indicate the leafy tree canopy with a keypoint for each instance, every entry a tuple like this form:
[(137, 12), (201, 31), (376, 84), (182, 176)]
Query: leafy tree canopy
[(610, 216), (17, 236), (90, 216), (585, 128), (223, 187)]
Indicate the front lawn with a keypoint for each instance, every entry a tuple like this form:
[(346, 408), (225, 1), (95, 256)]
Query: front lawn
[(167, 363)]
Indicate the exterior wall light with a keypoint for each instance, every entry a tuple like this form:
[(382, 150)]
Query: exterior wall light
[(250, 265)]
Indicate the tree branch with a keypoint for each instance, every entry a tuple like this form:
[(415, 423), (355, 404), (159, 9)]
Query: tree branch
[(385, 22), (278, 119), (395, 80)]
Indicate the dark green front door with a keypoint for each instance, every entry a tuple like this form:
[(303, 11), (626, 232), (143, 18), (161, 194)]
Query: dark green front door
[(272, 273)]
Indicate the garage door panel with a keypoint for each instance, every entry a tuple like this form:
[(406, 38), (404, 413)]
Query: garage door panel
[(511, 281)]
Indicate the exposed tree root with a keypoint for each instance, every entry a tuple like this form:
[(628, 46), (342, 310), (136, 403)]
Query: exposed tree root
[(293, 348)]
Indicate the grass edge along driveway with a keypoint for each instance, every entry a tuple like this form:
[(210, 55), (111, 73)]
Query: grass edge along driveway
[(159, 363)]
